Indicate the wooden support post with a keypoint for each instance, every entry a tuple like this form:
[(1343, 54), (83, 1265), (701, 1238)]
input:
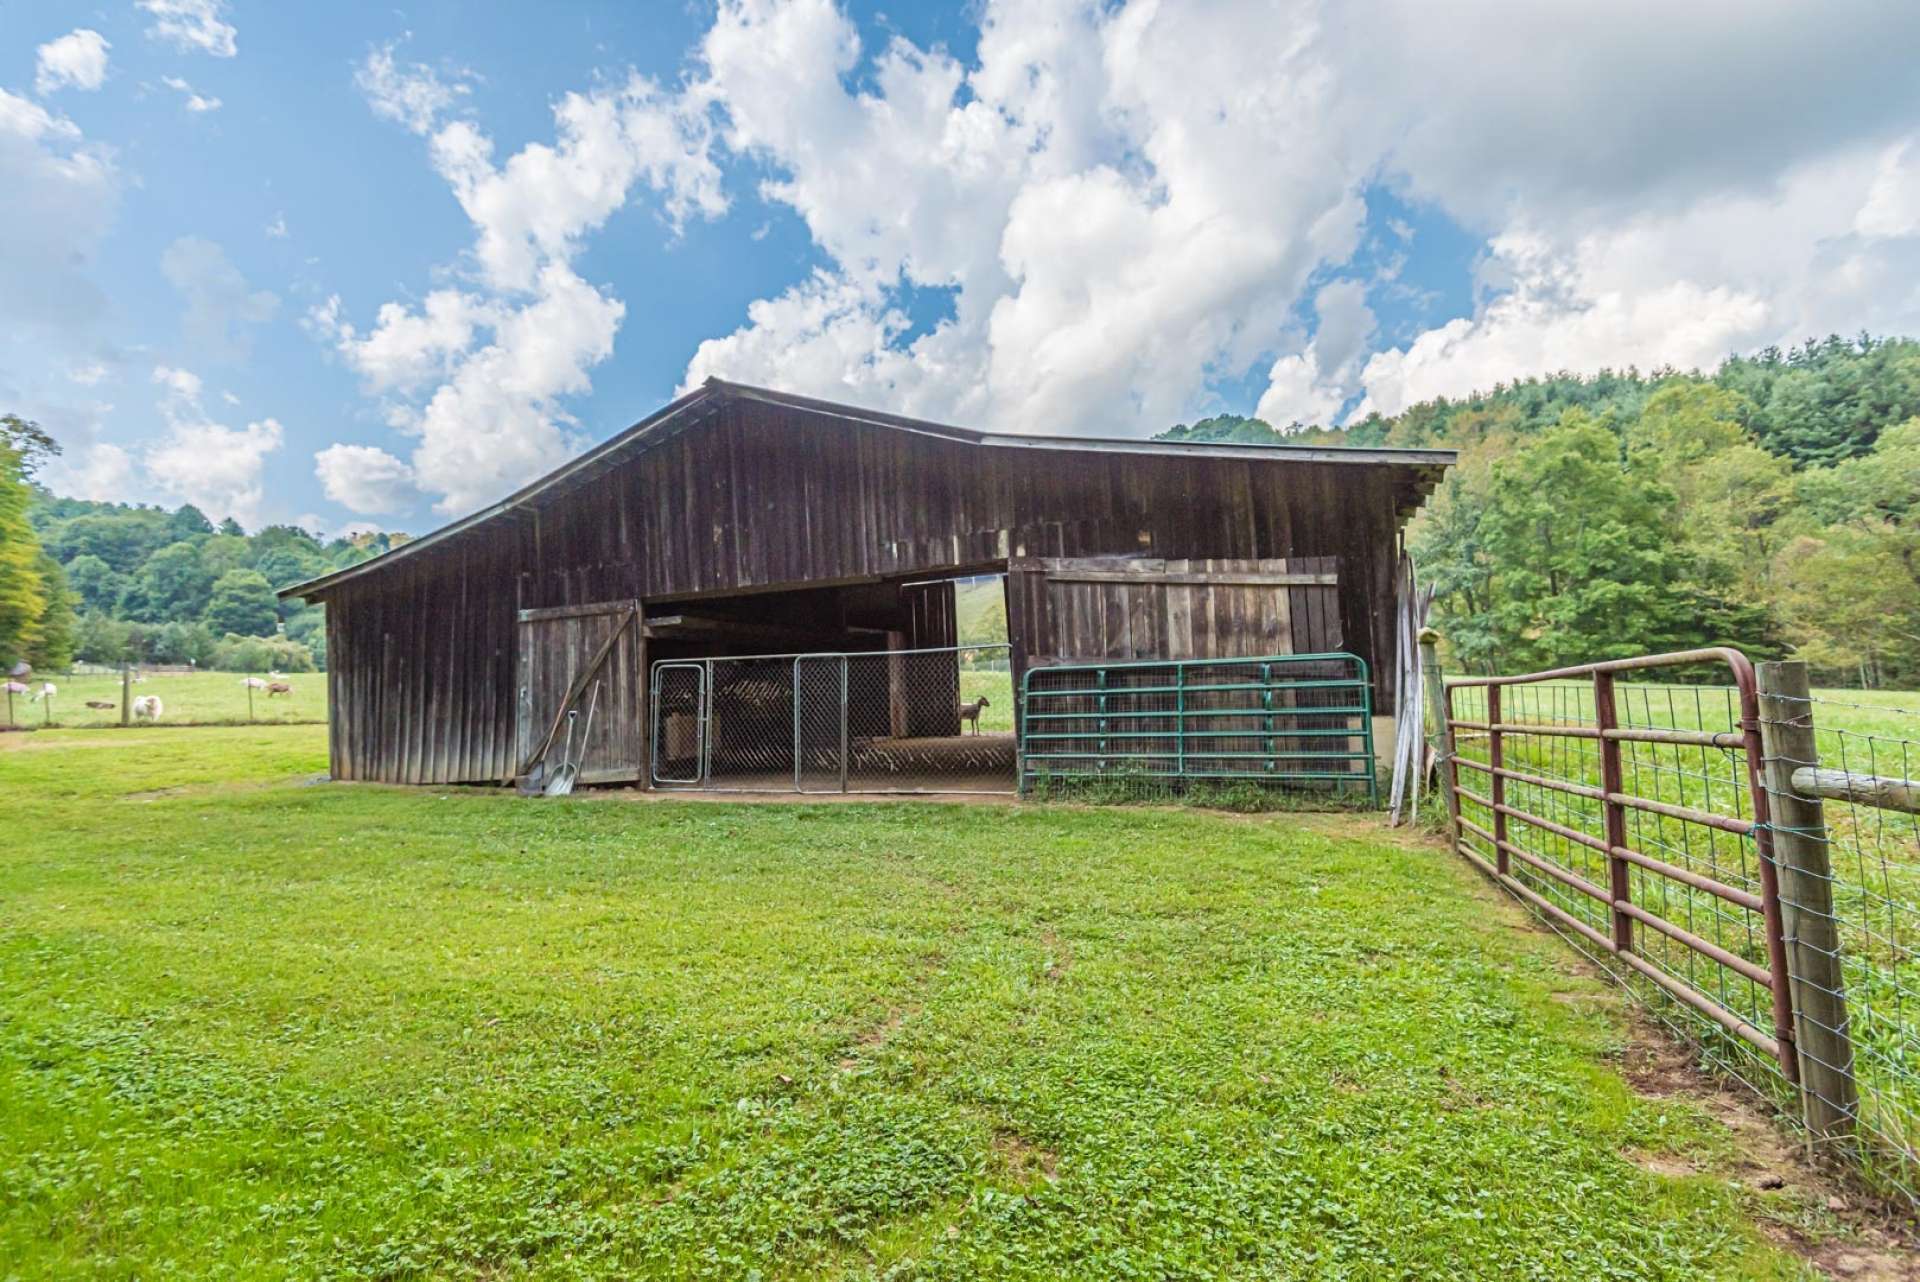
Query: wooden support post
[(126, 692), (1613, 782), (897, 697), (1440, 734), (1805, 870)]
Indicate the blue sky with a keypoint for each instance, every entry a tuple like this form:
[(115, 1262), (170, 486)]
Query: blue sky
[(374, 265)]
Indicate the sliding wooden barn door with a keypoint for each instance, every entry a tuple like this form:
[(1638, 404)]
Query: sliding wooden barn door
[(572, 650)]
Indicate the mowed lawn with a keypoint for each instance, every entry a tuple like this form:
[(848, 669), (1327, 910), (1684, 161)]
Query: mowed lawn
[(253, 1026)]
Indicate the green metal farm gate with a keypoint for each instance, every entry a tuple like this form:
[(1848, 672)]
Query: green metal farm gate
[(1300, 720)]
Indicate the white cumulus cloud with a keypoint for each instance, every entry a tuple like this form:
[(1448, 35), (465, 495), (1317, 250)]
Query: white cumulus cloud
[(208, 464), (365, 478), (414, 96), (102, 471), (196, 102), (192, 26), (77, 60)]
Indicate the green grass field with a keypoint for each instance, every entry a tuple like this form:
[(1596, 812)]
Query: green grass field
[(255, 1027), (188, 698)]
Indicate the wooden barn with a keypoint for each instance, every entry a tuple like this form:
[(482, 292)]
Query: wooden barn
[(738, 521)]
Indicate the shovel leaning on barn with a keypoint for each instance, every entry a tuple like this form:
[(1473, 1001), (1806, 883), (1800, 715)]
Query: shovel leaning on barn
[(568, 774)]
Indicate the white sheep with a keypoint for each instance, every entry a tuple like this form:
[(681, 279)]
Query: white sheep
[(18, 687), (147, 708), (46, 691), (254, 683)]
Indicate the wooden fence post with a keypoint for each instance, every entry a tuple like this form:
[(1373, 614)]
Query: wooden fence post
[(126, 690), (1816, 983), (1441, 736)]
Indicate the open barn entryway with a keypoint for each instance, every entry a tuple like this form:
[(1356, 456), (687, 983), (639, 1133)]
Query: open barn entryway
[(929, 720)]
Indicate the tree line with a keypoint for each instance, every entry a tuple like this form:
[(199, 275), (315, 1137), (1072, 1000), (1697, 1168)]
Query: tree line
[(108, 583), (1773, 504)]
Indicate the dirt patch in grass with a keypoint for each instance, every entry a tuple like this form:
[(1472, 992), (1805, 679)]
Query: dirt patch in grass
[(1059, 955), (1025, 1160), (1837, 1228)]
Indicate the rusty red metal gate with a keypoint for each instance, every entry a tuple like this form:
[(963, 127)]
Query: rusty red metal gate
[(1634, 815)]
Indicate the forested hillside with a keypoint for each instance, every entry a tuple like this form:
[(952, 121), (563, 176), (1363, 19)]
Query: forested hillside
[(109, 582), (1774, 504)]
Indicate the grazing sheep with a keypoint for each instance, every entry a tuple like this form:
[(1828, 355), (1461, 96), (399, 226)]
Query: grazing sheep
[(971, 711), (254, 683), (147, 708), (46, 691), (102, 705), (17, 687), (278, 687)]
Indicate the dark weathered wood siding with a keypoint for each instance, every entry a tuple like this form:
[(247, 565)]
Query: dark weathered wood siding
[(756, 497), (1124, 608)]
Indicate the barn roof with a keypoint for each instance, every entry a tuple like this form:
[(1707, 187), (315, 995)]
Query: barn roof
[(675, 417)]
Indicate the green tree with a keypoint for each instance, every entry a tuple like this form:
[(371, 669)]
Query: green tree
[(308, 627), (284, 538), (187, 521), (1575, 556), (122, 538), (100, 638), (1732, 497), (243, 604), (230, 526), (290, 564), (23, 589), (261, 654), (50, 640), (223, 552), (1828, 399), (174, 584), (179, 642), (96, 585), (1850, 587)]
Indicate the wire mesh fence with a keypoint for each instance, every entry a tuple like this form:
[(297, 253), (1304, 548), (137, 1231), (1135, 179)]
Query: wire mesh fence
[(1663, 827), (1851, 778), (933, 720), (1159, 729), (100, 699)]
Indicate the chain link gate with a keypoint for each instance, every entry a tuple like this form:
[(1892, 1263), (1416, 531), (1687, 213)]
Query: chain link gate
[(934, 720)]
